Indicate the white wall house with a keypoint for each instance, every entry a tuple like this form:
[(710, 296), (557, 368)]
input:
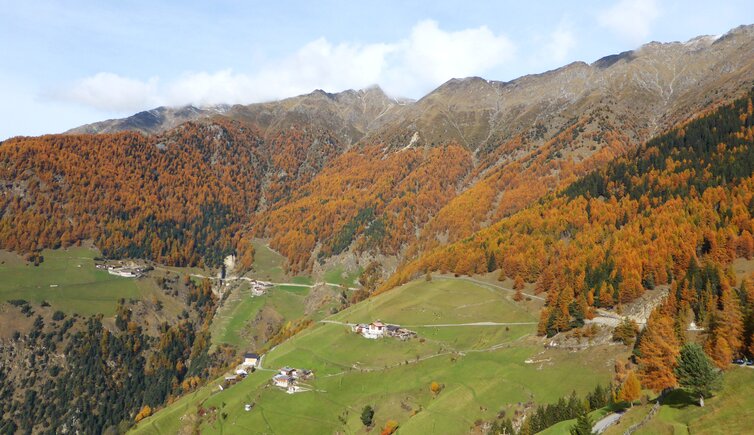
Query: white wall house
[(374, 330), (250, 359)]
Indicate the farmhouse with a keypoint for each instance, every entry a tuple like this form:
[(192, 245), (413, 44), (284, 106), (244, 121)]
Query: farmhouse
[(378, 329), (296, 373), (287, 378), (373, 330), (250, 359), (126, 272), (283, 381), (402, 333), (258, 288)]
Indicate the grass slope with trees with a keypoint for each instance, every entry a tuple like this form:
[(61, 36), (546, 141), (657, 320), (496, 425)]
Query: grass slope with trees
[(479, 370)]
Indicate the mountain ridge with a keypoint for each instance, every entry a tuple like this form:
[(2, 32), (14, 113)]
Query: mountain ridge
[(399, 178), (381, 125)]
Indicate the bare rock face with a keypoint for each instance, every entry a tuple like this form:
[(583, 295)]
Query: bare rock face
[(151, 121), (640, 92)]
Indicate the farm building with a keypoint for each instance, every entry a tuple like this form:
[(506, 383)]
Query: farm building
[(287, 378), (373, 330), (250, 359), (378, 329), (259, 288), (283, 381)]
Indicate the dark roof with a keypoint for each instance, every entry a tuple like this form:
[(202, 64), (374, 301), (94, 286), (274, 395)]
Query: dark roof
[(251, 355)]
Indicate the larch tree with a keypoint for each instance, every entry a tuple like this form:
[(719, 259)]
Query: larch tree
[(631, 388), (658, 352)]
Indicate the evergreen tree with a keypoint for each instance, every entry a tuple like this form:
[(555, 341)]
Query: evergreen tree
[(583, 425), (697, 373), (367, 416)]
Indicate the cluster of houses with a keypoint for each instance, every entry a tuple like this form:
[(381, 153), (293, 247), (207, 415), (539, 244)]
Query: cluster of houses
[(378, 329), (258, 288), (288, 379), (249, 364), (124, 271)]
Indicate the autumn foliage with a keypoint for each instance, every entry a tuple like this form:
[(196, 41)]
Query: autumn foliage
[(631, 388), (676, 212), (174, 199)]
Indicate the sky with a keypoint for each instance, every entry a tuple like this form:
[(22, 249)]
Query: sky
[(68, 63)]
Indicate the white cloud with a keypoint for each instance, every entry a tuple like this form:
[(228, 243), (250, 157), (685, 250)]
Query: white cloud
[(409, 67), (561, 42), (430, 56), (108, 91), (630, 19)]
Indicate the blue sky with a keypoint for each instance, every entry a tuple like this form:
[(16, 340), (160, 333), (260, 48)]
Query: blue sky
[(66, 63)]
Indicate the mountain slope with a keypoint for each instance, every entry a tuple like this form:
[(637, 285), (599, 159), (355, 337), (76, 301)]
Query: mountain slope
[(530, 136), (359, 174), (677, 211), (643, 92), (150, 121), (349, 114)]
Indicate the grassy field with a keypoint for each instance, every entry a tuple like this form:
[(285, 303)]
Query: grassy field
[(336, 275), (268, 264), (440, 301), (287, 300), (241, 309), (68, 280), (730, 411), (482, 369)]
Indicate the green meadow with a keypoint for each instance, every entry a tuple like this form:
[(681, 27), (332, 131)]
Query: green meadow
[(241, 309), (730, 411), (68, 280), (482, 369)]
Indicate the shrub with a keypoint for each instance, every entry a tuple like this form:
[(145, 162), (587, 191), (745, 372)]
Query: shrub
[(367, 416), (435, 387), (390, 427)]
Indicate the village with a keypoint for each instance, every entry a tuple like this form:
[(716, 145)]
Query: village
[(288, 379)]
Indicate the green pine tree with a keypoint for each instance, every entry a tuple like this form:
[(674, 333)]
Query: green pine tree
[(696, 372), (583, 425), (367, 416)]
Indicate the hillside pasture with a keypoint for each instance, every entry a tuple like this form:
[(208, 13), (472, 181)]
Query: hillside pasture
[(483, 369), (68, 280)]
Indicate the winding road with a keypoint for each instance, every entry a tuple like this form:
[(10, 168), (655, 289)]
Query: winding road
[(442, 325), (606, 422)]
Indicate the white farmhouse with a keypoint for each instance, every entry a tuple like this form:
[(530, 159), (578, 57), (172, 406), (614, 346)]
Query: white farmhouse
[(250, 359)]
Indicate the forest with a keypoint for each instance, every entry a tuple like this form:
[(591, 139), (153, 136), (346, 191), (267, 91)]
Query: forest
[(676, 212), (183, 198), (83, 376)]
